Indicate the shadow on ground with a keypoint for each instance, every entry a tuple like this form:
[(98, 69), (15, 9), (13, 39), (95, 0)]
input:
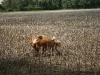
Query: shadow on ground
[(25, 66)]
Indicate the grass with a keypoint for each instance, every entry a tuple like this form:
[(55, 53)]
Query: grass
[(78, 31)]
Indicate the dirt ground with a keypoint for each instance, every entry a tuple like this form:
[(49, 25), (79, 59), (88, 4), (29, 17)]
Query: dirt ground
[(78, 31)]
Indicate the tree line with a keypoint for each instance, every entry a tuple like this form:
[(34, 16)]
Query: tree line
[(29, 5)]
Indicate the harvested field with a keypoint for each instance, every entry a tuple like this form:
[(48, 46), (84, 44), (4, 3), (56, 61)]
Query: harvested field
[(78, 31)]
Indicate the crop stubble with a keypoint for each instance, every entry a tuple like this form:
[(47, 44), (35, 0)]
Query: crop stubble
[(78, 31)]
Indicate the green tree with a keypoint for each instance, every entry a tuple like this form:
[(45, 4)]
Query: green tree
[(64, 4), (22, 5), (1, 8), (7, 4)]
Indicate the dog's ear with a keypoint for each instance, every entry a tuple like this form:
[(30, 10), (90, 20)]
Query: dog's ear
[(40, 36)]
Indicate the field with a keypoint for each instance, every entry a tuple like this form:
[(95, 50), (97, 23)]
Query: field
[(78, 31)]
